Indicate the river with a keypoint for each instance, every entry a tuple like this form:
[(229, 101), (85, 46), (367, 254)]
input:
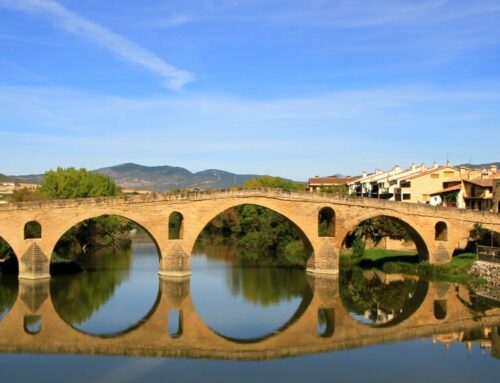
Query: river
[(120, 322)]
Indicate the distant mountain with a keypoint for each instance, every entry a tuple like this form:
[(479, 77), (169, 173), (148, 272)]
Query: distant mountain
[(165, 178), (481, 166), (156, 178)]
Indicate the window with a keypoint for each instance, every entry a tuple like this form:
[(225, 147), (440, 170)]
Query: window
[(326, 222), (32, 230), (448, 174), (405, 184), (175, 226), (441, 231), (434, 175), (406, 196), (326, 322), (440, 309)]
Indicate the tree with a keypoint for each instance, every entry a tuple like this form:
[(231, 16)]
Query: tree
[(77, 183), (272, 182)]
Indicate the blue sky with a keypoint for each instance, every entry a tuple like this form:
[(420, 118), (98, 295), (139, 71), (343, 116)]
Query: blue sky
[(283, 87)]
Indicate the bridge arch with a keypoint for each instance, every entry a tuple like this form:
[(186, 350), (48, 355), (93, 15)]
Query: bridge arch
[(128, 330), (303, 231), (58, 233), (420, 242)]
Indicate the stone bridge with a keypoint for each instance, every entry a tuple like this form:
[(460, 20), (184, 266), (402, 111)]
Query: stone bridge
[(33, 325), (436, 231)]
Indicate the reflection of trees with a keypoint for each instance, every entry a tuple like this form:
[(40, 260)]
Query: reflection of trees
[(377, 301), (76, 297), (8, 294), (267, 286)]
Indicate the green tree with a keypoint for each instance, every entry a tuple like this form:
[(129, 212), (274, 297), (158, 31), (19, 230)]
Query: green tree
[(272, 182), (27, 195), (77, 183)]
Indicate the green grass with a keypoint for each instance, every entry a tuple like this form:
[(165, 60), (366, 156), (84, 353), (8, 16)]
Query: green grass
[(407, 262)]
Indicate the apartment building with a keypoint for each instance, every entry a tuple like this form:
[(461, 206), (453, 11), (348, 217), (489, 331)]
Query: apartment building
[(419, 187), (382, 184), (473, 189)]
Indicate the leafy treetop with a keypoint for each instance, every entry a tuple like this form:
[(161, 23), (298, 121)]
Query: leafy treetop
[(272, 182), (77, 183)]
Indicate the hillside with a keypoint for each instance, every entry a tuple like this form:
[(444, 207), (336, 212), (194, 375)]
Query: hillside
[(165, 178), (156, 178)]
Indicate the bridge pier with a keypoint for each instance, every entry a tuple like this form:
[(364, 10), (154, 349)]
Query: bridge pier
[(33, 263), (325, 258), (175, 260)]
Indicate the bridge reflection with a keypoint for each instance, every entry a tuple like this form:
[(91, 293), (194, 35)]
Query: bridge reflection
[(322, 323)]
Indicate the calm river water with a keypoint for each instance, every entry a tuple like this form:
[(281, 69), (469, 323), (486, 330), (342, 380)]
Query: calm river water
[(120, 322)]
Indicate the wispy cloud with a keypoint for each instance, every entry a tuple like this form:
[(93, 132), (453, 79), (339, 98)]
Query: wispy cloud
[(173, 21), (174, 78), (291, 137)]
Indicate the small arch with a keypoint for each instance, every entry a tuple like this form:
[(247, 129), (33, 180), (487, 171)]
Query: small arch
[(32, 230), (441, 231), (32, 324), (174, 323), (8, 259), (440, 309), (326, 322), (370, 220), (326, 222), (175, 226)]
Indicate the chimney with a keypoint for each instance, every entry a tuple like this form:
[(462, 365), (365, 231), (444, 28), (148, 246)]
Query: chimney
[(413, 166), (462, 170), (493, 168), (365, 174), (435, 165)]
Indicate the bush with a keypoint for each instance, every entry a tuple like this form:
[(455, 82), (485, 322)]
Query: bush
[(358, 247)]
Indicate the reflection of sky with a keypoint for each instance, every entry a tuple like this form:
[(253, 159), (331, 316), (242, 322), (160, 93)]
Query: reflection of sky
[(132, 299), (228, 313), (410, 362)]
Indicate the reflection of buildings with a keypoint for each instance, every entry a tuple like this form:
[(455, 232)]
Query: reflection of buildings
[(486, 338)]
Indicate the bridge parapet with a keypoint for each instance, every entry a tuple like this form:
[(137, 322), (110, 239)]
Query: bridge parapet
[(292, 195)]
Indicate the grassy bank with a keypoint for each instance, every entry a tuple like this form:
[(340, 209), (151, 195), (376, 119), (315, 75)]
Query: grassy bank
[(407, 262)]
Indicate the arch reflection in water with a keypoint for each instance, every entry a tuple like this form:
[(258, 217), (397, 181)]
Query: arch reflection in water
[(117, 293), (247, 304), (8, 293), (378, 299)]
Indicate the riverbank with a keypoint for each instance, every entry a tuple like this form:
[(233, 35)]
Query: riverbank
[(407, 262)]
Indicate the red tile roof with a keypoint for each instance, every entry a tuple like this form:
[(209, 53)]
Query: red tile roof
[(449, 189), (430, 171)]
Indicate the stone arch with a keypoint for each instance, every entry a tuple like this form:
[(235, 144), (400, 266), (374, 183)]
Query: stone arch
[(301, 312), (326, 222), (12, 251), (32, 230), (441, 231), (175, 226), (420, 243), (61, 230), (135, 327), (308, 244)]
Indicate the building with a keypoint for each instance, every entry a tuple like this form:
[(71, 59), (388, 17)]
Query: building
[(319, 184), (382, 184), (419, 187), (471, 189), (496, 195)]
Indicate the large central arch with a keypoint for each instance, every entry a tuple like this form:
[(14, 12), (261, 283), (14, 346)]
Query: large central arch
[(214, 214)]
